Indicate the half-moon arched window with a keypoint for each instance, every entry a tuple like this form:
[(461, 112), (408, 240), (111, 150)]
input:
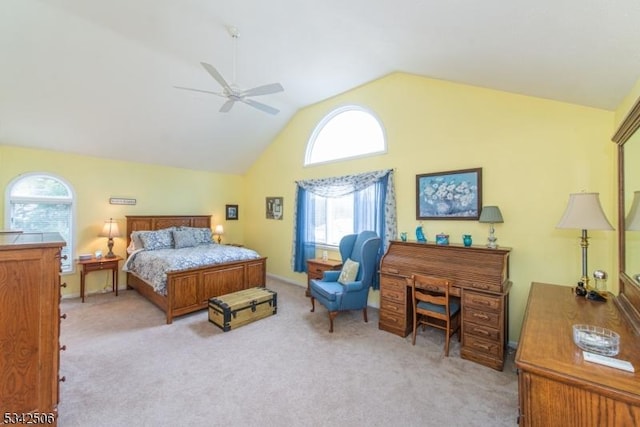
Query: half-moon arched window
[(346, 132), (42, 202)]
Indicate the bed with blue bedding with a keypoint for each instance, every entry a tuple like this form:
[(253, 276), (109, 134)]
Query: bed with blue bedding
[(175, 264)]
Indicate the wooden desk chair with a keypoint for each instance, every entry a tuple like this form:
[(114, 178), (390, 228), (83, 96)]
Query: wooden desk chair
[(432, 306)]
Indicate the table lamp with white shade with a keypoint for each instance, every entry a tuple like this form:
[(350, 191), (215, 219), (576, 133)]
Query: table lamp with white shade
[(584, 212), (219, 231), (110, 230)]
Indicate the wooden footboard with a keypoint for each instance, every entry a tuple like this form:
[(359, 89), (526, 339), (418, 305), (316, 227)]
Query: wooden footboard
[(190, 290)]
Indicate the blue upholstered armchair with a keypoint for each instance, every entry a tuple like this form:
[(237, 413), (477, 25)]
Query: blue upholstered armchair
[(348, 289)]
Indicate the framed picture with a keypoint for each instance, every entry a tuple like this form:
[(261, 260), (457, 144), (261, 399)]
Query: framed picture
[(449, 195), (275, 207), (232, 211)]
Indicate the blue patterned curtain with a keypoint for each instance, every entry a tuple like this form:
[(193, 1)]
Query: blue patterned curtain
[(375, 209)]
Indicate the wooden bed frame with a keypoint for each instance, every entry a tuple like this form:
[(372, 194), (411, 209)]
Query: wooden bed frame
[(190, 290)]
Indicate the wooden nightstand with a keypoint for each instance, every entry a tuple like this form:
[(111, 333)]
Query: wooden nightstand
[(95, 264), (316, 268)]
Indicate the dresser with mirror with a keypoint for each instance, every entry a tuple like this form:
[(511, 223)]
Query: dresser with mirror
[(628, 139), (556, 385)]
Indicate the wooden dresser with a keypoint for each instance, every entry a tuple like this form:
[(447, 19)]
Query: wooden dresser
[(556, 386), (480, 277), (29, 327)]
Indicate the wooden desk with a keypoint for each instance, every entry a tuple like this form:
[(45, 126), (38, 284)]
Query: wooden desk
[(481, 278), (556, 386), (95, 264)]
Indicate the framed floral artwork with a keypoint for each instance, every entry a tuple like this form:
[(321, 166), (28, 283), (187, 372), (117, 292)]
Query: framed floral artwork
[(453, 195)]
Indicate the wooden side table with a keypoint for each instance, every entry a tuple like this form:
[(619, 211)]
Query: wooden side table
[(316, 268), (95, 264)]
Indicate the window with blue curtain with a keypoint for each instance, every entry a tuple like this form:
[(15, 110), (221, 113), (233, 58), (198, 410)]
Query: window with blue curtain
[(374, 208)]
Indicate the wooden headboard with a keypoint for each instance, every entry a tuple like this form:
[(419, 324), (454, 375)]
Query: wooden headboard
[(157, 222)]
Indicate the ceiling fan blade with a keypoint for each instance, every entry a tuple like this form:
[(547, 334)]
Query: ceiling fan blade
[(216, 75), (200, 90), (227, 106), (263, 90), (260, 106)]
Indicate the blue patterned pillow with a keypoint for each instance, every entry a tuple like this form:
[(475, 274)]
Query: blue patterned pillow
[(184, 238), (159, 239), (200, 234)]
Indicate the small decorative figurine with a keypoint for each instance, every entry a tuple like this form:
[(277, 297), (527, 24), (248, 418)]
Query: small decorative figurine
[(442, 239), (420, 237)]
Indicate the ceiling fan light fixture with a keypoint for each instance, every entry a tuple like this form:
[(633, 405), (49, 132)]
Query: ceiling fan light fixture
[(232, 92)]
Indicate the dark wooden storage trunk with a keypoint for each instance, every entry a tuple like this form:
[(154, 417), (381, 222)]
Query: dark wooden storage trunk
[(233, 310)]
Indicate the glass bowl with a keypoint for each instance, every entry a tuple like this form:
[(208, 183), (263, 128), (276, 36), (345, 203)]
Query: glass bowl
[(596, 339)]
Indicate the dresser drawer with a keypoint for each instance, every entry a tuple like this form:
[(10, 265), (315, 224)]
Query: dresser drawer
[(482, 301), (486, 318), (481, 345)]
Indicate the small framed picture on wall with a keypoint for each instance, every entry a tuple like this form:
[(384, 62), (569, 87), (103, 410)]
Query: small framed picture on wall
[(275, 207), (232, 212)]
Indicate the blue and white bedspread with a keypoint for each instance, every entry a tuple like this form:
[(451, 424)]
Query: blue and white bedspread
[(153, 266)]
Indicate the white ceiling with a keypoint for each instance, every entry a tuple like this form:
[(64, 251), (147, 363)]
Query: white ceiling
[(96, 77)]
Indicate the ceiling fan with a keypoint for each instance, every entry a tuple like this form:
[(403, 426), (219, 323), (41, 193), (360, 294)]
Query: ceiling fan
[(232, 92)]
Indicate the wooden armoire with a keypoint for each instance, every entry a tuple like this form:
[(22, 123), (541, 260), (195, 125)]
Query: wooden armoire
[(30, 326)]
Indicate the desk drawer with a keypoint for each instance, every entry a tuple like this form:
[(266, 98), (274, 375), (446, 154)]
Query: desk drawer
[(392, 296), (394, 283), (392, 320), (487, 318), (482, 331), (315, 271), (101, 266), (482, 302), (315, 275), (392, 306), (480, 345)]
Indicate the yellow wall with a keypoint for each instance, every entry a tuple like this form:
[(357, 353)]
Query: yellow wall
[(626, 104), (533, 152), (157, 189)]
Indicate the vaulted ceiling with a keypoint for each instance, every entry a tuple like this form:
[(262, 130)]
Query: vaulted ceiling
[(97, 77)]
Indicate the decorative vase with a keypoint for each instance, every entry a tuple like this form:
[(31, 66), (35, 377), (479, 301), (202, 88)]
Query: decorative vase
[(420, 237), (403, 236), (466, 239)]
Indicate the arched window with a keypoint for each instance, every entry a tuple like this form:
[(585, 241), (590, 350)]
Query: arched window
[(346, 132), (41, 202)]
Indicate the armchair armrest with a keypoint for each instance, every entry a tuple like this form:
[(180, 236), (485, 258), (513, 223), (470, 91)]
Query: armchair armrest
[(353, 286), (330, 276)]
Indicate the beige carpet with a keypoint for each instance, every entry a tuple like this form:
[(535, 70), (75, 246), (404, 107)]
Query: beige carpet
[(125, 367)]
